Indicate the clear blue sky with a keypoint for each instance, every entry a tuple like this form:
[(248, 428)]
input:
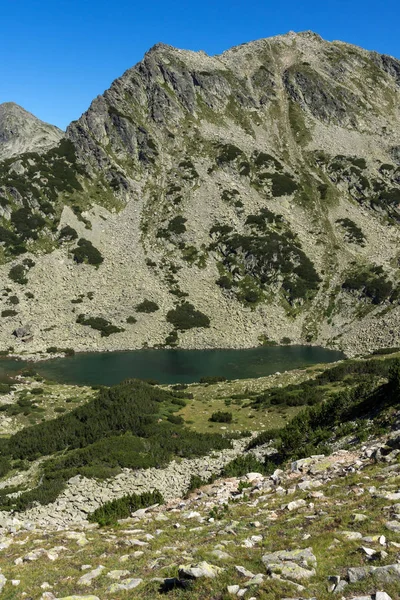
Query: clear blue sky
[(57, 55)]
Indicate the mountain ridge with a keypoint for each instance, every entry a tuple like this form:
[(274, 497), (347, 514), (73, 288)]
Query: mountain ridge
[(254, 188)]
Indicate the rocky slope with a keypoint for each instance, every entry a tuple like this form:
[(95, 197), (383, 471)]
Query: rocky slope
[(251, 196), (325, 527), (20, 132)]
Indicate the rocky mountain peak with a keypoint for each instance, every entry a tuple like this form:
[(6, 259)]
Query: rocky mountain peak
[(258, 183), (21, 131)]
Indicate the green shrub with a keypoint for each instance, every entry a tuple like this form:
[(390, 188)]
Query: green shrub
[(122, 508), (131, 320), (87, 253), (228, 153), (175, 419), (147, 306), (197, 482), (99, 324), (18, 274), (172, 338), (26, 223), (67, 234), (370, 283), (177, 225), (37, 391), (210, 379), (8, 313), (283, 184), (221, 417), (246, 464), (353, 232), (225, 282), (185, 316)]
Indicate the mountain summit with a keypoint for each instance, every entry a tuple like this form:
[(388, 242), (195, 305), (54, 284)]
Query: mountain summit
[(20, 132), (215, 201)]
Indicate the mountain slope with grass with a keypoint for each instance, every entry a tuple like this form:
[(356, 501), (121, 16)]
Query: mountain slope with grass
[(226, 201)]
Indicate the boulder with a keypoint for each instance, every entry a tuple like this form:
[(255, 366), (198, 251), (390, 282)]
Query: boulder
[(126, 584), (196, 571), (291, 564)]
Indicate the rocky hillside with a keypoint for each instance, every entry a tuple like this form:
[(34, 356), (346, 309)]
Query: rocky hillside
[(321, 527), (246, 198), (21, 132)]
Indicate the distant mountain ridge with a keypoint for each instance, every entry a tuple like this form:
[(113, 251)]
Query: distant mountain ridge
[(225, 201), (20, 132)]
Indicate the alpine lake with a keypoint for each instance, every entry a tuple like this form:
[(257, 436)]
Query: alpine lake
[(173, 366)]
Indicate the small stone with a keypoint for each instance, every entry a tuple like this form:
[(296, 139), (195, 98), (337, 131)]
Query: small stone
[(117, 574), (254, 476), (370, 552), (359, 517), (88, 578), (393, 526), (243, 572), (351, 535), (333, 582), (339, 589), (296, 504), (233, 589)]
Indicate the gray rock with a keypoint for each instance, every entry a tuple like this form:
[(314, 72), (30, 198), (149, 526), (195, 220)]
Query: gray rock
[(196, 571), (393, 526), (126, 584), (88, 577)]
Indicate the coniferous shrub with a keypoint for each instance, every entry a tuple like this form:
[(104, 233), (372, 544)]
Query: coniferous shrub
[(87, 253), (100, 324), (221, 417), (8, 313), (122, 508), (18, 274), (147, 306), (68, 234), (185, 316)]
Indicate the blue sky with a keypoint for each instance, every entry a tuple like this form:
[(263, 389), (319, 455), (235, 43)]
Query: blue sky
[(58, 55)]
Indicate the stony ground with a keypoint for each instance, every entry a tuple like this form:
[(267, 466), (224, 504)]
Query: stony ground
[(325, 527)]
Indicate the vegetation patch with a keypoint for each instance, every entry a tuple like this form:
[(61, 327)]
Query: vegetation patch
[(370, 283), (87, 253), (122, 508), (354, 233), (185, 316), (100, 324), (221, 417), (147, 306), (124, 426), (268, 257)]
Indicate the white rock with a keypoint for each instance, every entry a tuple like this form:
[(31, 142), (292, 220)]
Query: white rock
[(233, 589), (88, 577)]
